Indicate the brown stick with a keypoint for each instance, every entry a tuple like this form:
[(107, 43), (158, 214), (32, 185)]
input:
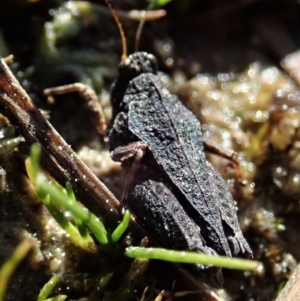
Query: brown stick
[(57, 157)]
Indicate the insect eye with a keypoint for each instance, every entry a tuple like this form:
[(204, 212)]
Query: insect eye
[(151, 59)]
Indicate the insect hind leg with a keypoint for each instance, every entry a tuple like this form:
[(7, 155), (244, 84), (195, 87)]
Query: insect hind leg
[(90, 98)]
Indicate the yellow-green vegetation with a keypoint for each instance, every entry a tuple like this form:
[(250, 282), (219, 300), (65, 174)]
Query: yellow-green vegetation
[(47, 290), (12, 263), (54, 197), (191, 257)]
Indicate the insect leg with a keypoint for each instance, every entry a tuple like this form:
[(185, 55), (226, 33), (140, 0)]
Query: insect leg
[(135, 150), (129, 151), (89, 96)]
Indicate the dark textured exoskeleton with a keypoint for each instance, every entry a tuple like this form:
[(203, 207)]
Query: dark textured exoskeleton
[(175, 192)]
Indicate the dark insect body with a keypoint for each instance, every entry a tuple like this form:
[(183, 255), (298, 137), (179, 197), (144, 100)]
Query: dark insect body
[(174, 191)]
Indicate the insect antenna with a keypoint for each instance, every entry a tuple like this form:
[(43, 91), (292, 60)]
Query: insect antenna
[(123, 38), (140, 27)]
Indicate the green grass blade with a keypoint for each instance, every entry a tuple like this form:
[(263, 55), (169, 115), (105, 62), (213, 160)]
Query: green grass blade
[(12, 263), (74, 234), (97, 291), (79, 223), (61, 200), (34, 172), (57, 298), (119, 231), (104, 281), (191, 257), (35, 154), (48, 288)]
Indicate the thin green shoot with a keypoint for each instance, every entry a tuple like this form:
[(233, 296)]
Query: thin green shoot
[(103, 283), (119, 231), (12, 263), (191, 257), (160, 3), (56, 194), (59, 199), (48, 288), (56, 198), (57, 298), (79, 223), (33, 171)]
